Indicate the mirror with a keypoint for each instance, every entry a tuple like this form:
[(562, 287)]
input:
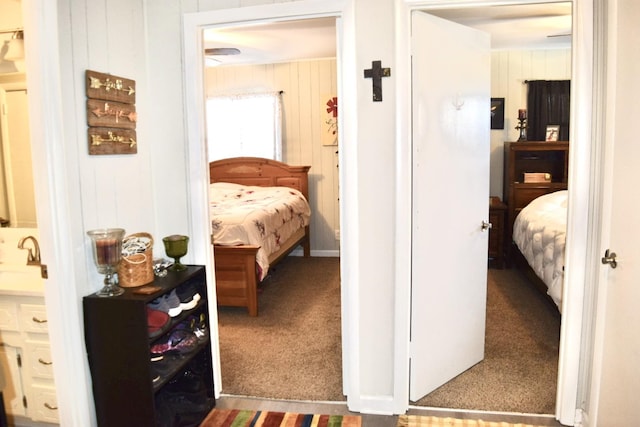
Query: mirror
[(17, 198)]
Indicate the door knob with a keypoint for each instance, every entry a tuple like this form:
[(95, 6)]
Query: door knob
[(610, 258), (486, 225)]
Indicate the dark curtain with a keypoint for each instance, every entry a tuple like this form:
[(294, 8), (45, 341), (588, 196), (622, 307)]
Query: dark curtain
[(548, 104)]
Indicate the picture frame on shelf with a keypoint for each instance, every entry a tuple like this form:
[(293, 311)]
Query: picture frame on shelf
[(552, 133)]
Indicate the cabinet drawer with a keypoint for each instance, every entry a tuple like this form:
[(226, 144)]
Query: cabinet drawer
[(39, 356), (8, 316), (44, 405), (524, 196), (33, 318)]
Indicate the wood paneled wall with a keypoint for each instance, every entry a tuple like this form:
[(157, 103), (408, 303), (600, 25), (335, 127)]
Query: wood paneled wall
[(509, 70), (306, 85)]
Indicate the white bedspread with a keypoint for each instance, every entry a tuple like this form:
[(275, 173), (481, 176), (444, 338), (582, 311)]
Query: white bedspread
[(539, 232), (264, 216)]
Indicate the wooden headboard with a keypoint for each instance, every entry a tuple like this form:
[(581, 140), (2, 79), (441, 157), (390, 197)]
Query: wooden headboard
[(260, 172)]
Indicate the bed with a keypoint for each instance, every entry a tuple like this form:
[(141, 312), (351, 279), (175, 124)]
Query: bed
[(539, 233), (241, 262)]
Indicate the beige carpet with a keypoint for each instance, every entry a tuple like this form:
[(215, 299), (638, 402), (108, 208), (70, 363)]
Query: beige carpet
[(422, 421), (520, 367), (292, 350)]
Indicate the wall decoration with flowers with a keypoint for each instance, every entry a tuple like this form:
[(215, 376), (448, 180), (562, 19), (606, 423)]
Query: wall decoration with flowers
[(330, 120)]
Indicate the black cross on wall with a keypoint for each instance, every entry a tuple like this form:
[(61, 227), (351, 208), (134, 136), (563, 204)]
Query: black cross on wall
[(376, 73)]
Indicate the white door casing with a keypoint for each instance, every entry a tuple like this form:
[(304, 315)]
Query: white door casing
[(615, 383), (451, 96)]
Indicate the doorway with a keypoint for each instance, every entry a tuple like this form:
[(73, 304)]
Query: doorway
[(571, 325), (303, 76), (330, 154), (351, 342), (457, 26)]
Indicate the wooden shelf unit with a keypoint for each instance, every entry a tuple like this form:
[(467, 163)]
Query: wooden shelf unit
[(119, 352), (531, 157)]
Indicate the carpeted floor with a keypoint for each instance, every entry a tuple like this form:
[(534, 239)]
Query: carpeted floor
[(295, 342), (519, 371)]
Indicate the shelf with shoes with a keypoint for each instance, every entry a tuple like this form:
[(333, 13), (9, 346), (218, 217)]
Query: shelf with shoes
[(149, 352), (172, 352)]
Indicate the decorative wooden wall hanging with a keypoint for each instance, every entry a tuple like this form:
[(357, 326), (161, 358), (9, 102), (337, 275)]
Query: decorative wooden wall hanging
[(111, 114)]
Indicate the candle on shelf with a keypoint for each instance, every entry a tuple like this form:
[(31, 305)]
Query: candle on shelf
[(107, 251), (522, 114)]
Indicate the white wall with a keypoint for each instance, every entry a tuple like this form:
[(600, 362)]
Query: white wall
[(305, 84), (615, 381), (84, 192), (142, 40), (370, 148), (147, 191), (509, 70)]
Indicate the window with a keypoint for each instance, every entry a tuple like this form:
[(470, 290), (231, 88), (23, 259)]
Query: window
[(244, 125)]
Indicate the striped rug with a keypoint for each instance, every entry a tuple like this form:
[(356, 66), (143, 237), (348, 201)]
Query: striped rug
[(243, 418), (422, 421)]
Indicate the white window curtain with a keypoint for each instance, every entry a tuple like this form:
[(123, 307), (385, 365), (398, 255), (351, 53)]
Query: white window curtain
[(245, 125)]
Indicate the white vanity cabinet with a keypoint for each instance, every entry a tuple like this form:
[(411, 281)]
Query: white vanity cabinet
[(26, 358)]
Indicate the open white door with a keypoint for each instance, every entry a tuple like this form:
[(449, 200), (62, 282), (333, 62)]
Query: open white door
[(451, 148)]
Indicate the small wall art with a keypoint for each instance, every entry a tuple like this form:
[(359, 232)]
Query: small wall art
[(111, 114), (497, 113), (329, 123)]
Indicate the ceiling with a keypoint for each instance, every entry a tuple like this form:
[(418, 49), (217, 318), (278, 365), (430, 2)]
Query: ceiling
[(531, 26)]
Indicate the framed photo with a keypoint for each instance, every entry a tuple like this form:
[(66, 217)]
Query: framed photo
[(497, 113), (552, 132)]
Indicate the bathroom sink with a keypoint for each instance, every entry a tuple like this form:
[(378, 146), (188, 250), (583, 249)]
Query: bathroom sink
[(20, 279)]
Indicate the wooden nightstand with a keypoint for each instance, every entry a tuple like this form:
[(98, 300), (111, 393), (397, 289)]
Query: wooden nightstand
[(497, 213)]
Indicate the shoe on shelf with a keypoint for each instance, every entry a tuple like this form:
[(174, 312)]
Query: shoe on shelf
[(188, 295), (162, 365), (196, 325), (157, 322), (159, 304), (174, 303), (168, 303), (179, 341)]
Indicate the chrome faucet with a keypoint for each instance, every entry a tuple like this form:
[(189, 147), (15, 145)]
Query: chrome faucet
[(33, 257)]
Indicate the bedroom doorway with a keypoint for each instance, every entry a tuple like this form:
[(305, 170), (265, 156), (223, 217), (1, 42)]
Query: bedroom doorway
[(467, 12), (301, 81)]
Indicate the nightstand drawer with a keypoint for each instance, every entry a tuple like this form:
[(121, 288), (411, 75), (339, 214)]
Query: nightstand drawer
[(524, 195)]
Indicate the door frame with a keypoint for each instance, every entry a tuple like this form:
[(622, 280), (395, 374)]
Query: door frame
[(578, 246), (194, 24)]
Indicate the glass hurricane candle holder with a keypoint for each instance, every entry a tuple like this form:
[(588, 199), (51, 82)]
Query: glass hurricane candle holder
[(107, 252), (175, 247)]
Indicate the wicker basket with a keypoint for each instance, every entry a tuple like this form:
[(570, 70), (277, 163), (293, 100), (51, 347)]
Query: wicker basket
[(137, 269)]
